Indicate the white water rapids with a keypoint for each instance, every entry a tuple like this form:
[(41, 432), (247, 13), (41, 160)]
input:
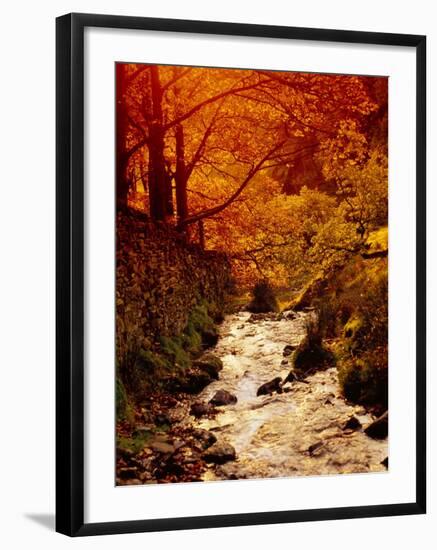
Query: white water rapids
[(299, 432)]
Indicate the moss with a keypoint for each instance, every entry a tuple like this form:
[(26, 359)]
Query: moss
[(363, 380), (173, 349), (200, 328), (353, 333), (166, 366), (151, 361), (191, 340), (135, 443)]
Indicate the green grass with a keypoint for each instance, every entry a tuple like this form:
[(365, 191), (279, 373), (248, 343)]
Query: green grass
[(134, 443), (124, 409)]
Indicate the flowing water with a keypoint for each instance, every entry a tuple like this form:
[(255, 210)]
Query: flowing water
[(298, 432)]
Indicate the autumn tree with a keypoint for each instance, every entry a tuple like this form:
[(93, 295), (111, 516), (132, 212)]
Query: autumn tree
[(279, 170)]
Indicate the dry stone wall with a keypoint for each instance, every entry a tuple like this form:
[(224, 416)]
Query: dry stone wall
[(159, 279)]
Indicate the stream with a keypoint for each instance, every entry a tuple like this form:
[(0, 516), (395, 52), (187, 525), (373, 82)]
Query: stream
[(295, 433)]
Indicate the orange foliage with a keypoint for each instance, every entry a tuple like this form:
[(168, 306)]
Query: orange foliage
[(277, 169)]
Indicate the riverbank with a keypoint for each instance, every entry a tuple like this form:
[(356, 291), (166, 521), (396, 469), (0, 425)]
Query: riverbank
[(305, 428)]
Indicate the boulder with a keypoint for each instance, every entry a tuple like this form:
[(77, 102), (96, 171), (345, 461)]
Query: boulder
[(223, 397), (203, 438), (352, 424), (209, 337), (164, 447), (378, 429), (199, 409), (291, 377), (192, 382), (209, 363), (195, 380), (270, 387), (219, 453)]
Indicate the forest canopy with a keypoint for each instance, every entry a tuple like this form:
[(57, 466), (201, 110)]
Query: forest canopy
[(285, 172)]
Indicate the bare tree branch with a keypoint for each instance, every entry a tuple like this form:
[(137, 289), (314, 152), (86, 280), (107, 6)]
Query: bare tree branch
[(215, 210)]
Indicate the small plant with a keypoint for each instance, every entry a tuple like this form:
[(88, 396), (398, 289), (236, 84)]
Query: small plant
[(124, 409)]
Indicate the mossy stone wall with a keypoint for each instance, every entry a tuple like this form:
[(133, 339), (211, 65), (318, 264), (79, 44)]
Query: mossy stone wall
[(159, 280)]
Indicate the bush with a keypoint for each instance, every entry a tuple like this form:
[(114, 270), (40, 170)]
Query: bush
[(264, 300), (312, 354), (365, 379), (363, 363)]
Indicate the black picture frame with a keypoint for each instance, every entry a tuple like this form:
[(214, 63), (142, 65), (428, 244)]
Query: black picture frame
[(70, 273)]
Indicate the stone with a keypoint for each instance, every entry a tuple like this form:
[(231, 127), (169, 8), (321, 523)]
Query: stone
[(219, 453), (129, 472), (209, 337), (209, 363), (270, 387), (223, 397), (125, 453), (315, 447), (378, 429), (162, 447), (176, 415), (199, 409), (352, 424), (143, 430), (155, 266), (288, 350), (203, 438), (196, 380), (291, 377)]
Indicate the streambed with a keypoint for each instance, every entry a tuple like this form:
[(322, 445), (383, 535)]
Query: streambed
[(294, 433)]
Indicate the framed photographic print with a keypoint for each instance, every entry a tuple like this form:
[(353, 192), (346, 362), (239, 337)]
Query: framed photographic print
[(240, 274)]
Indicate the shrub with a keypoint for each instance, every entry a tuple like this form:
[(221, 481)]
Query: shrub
[(312, 354), (365, 379), (363, 363), (264, 299)]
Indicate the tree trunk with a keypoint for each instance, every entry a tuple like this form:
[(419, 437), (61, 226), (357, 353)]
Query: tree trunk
[(201, 235), (122, 182), (181, 177), (158, 181)]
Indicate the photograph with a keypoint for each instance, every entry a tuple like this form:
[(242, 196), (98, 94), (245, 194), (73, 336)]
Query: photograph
[(251, 274)]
